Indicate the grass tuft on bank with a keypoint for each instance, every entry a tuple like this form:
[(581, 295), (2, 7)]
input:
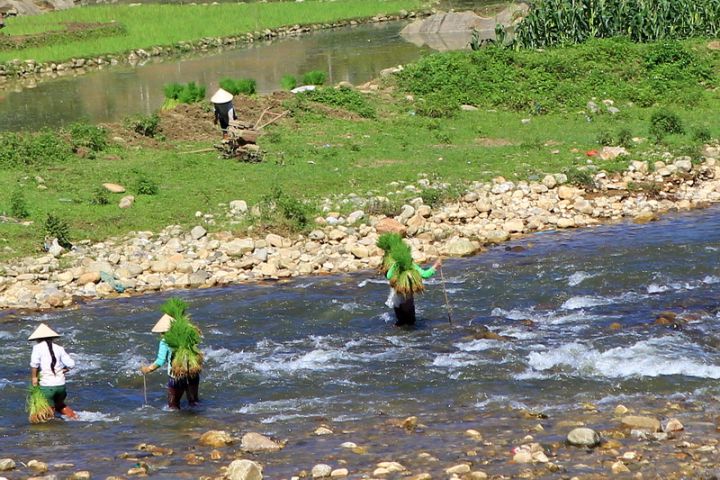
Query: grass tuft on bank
[(150, 25)]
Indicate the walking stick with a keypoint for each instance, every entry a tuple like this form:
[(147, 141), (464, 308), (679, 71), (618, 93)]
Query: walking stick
[(145, 390), (447, 302)]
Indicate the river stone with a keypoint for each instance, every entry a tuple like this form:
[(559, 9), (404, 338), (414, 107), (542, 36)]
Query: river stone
[(38, 467), (514, 226), (458, 469), (321, 471), (390, 225), (619, 467), (355, 216), (198, 232), (323, 431), (254, 442), (88, 277), (496, 236), (244, 470), (673, 425), (460, 247), (114, 187), (216, 438), (6, 464), (239, 246), (583, 437), (339, 473), (126, 202), (646, 423), (239, 206), (81, 475)]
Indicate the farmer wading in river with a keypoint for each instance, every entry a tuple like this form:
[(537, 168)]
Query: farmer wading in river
[(48, 365), (405, 277), (178, 349)]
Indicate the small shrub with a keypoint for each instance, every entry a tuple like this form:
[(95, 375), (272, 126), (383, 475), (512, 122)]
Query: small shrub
[(702, 134), (343, 97), (18, 205), (146, 125), (432, 197), (437, 106), (100, 196), (87, 136), (289, 212), (383, 206), (443, 137), (146, 186), (56, 227), (32, 149), (315, 77), (665, 122), (288, 82), (580, 177), (625, 138), (245, 86), (605, 138)]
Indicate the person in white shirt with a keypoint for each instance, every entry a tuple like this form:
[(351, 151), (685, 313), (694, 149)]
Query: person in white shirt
[(48, 365)]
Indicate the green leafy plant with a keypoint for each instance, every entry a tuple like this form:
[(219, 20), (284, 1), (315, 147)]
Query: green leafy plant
[(289, 212), (245, 86), (176, 93), (37, 406), (625, 138), (315, 77), (702, 134), (100, 196), (146, 186), (92, 137), (386, 242), (33, 149), (437, 106), (605, 138), (665, 122), (288, 82), (56, 227), (146, 125), (579, 177), (18, 205), (183, 338), (404, 278)]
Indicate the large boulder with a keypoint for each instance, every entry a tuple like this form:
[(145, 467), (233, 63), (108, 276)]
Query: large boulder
[(244, 470), (583, 437), (254, 442), (390, 225)]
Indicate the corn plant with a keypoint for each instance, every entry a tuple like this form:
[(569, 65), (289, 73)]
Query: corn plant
[(558, 22)]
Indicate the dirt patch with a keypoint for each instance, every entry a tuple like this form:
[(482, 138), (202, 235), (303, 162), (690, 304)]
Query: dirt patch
[(494, 142)]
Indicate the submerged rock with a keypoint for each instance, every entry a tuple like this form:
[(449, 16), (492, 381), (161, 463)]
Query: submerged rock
[(639, 422), (583, 437), (254, 442), (244, 470), (216, 438)]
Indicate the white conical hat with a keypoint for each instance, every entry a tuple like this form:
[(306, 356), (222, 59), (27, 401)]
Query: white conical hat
[(222, 96), (43, 331), (163, 325)]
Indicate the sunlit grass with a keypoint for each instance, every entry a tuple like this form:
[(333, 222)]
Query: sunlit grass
[(151, 25)]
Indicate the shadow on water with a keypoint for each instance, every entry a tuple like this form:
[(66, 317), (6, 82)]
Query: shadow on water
[(575, 312)]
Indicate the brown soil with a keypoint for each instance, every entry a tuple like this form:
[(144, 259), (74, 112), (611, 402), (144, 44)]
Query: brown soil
[(493, 142)]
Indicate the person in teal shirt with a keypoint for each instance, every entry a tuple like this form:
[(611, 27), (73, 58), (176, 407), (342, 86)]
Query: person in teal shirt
[(404, 305), (177, 387)]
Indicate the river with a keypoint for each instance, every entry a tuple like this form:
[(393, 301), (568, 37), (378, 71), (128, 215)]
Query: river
[(284, 358)]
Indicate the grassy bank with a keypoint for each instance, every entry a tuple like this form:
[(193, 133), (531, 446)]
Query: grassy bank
[(155, 24), (323, 150)]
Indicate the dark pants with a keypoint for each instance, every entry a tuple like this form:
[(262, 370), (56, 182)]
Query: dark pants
[(55, 396), (177, 387), (405, 313)]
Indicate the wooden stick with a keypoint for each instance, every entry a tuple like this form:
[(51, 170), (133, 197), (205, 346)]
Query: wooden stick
[(202, 150), (278, 117), (145, 389), (447, 302), (261, 117)]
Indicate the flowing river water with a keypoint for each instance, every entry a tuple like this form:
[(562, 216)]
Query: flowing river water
[(284, 358)]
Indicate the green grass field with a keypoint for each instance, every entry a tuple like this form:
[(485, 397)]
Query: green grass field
[(151, 25), (318, 155)]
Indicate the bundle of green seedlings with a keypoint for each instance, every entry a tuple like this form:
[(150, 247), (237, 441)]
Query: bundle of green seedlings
[(245, 86), (405, 278), (183, 338), (385, 243), (177, 93), (37, 406)]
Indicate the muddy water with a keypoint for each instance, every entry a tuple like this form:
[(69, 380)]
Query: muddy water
[(284, 358), (353, 54)]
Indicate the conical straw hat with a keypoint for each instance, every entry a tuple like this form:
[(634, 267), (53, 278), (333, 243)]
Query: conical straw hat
[(43, 331), (221, 96), (163, 325)]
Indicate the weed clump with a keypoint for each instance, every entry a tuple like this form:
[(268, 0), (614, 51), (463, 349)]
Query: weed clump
[(145, 125), (86, 136), (146, 186), (56, 227), (18, 205), (32, 149), (245, 86), (279, 208), (345, 98), (579, 177), (665, 122), (100, 196)]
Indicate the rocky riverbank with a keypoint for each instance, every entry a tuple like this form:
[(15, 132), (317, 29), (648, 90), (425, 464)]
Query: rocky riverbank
[(29, 72), (488, 213), (671, 441)]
